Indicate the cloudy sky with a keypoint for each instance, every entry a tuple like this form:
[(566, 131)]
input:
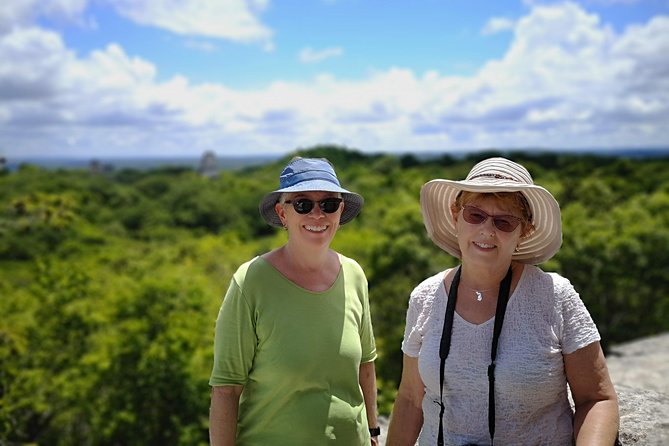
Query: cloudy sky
[(178, 77)]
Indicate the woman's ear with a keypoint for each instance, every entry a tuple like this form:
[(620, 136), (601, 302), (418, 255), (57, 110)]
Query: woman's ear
[(455, 213), (281, 212)]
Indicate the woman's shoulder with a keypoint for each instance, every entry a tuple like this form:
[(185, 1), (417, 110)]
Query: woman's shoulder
[(572, 321), (558, 281), (351, 266), (549, 284), (431, 281), (353, 274), (348, 261), (422, 305), (534, 275), (423, 294), (250, 269)]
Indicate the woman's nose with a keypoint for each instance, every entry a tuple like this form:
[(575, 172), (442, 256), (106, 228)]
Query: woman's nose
[(316, 210), (488, 226)]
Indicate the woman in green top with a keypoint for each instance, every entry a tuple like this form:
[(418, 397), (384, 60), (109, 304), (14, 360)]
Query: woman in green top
[(294, 346)]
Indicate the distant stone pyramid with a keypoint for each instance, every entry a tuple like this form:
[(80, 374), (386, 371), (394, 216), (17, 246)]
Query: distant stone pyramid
[(208, 164)]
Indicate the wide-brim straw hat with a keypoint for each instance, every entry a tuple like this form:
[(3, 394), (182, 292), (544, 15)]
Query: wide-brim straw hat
[(309, 175), (494, 175)]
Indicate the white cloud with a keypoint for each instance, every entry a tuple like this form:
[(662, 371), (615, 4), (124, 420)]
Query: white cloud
[(236, 20), (309, 55), (497, 24), (31, 65), (567, 80), (227, 19), (22, 12)]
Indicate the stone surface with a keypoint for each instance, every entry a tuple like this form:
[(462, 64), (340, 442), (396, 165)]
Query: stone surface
[(643, 363), (640, 373), (644, 416)]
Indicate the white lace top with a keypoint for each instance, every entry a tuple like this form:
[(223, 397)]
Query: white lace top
[(545, 318)]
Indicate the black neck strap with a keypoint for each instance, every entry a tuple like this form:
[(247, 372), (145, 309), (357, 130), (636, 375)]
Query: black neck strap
[(445, 346)]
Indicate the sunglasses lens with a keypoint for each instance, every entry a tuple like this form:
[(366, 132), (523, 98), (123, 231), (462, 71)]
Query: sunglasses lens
[(330, 205), (505, 224), (474, 216), (303, 205)]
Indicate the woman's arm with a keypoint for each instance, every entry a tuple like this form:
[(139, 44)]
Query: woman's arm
[(596, 419), (367, 380), (223, 415), (407, 417)]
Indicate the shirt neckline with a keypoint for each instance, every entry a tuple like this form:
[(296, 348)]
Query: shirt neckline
[(442, 287), (302, 289)]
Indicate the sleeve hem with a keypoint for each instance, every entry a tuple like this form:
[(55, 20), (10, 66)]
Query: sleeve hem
[(369, 358), (225, 382), (581, 345)]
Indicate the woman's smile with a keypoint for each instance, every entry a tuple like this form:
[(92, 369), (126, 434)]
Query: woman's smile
[(312, 228), (484, 245)]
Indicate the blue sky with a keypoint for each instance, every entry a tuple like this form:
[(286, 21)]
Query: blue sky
[(104, 78)]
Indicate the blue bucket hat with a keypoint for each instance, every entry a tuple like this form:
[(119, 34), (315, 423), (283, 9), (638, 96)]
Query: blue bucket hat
[(307, 175)]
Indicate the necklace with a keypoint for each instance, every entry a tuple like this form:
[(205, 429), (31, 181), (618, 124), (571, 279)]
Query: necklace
[(479, 293)]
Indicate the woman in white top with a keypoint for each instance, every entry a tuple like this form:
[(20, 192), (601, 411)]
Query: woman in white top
[(464, 384)]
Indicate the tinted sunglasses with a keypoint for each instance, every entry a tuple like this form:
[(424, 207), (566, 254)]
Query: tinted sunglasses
[(476, 216), (305, 205)]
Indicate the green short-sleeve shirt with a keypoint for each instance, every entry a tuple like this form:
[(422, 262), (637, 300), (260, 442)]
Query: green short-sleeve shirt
[(297, 353)]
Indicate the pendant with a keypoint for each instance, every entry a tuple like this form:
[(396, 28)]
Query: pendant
[(479, 295)]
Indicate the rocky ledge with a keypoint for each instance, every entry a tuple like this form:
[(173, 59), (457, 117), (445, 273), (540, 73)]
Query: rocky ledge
[(640, 372)]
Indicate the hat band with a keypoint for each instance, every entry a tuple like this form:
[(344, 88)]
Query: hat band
[(295, 178), (496, 176)]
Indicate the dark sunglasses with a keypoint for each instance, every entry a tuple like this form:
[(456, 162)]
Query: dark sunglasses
[(475, 216), (305, 205)]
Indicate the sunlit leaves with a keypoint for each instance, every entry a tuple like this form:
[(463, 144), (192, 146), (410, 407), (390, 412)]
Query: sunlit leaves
[(110, 284)]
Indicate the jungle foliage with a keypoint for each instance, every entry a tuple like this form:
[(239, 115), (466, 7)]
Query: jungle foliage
[(110, 283)]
